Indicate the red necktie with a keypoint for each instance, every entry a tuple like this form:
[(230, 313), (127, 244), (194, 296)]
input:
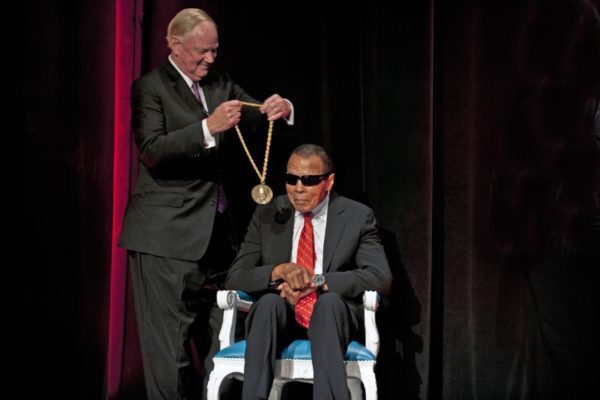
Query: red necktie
[(306, 258)]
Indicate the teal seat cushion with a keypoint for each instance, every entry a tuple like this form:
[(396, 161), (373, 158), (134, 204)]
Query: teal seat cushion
[(299, 350), (358, 352), (236, 350), (244, 296)]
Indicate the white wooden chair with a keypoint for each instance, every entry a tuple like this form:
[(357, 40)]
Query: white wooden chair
[(294, 363)]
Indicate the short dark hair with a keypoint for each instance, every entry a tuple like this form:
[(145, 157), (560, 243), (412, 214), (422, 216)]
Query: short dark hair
[(313, 150)]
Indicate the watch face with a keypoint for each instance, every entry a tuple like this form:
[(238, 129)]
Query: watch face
[(319, 280)]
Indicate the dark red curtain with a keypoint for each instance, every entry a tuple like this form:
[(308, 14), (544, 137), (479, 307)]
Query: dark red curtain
[(80, 59), (468, 126), (66, 209)]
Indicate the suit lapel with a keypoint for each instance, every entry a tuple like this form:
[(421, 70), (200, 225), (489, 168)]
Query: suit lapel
[(182, 91), (336, 223), (281, 232), (209, 95)]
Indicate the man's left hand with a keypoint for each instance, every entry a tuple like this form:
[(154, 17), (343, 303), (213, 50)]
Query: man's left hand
[(276, 107), (291, 295)]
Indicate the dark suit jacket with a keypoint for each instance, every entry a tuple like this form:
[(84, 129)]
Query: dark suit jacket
[(172, 209), (353, 259)]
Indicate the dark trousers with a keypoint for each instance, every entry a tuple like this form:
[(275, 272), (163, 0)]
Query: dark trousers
[(175, 299), (271, 325)]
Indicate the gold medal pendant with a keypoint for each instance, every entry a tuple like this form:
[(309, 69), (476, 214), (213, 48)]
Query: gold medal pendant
[(261, 193)]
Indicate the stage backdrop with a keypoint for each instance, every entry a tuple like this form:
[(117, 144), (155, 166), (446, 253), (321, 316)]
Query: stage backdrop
[(467, 126)]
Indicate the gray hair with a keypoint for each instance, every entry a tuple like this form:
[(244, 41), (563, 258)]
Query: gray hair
[(185, 20), (313, 150)]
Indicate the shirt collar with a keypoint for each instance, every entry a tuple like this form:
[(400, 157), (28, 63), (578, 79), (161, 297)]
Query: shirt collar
[(319, 210), (186, 78)]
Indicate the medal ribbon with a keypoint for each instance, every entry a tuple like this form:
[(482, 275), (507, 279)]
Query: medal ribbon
[(262, 176)]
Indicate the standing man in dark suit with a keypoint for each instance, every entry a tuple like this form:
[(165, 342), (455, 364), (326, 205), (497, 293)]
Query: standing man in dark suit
[(347, 258), (178, 226)]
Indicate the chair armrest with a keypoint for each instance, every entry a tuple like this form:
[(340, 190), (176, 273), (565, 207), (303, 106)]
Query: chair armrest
[(230, 301), (371, 303)]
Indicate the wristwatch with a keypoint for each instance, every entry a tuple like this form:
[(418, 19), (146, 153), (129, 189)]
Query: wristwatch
[(320, 281)]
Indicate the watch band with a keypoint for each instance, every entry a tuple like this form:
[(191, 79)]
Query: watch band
[(273, 284)]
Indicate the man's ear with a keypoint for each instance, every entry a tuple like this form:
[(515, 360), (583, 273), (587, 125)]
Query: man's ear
[(330, 181), (174, 44)]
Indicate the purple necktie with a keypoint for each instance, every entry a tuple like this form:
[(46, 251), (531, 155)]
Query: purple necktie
[(196, 91), (221, 198)]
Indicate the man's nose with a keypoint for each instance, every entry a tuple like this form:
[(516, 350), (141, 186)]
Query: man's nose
[(210, 57)]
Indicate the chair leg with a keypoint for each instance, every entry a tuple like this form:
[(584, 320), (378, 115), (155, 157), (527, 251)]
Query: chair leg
[(214, 384), (367, 375), (276, 389), (355, 389)]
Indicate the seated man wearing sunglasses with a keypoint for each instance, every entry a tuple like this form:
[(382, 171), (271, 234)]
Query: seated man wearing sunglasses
[(307, 256)]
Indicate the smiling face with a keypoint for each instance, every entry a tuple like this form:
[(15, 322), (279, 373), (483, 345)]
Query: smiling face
[(306, 198), (195, 52)]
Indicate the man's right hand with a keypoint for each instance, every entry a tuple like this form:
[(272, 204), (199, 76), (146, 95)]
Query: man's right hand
[(296, 276), (291, 295), (225, 116)]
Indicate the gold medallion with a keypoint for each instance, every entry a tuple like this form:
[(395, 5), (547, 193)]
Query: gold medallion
[(262, 194)]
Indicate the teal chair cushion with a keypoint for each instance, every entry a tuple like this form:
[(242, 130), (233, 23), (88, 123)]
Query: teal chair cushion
[(299, 350)]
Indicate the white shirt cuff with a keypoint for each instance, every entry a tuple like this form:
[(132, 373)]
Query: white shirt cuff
[(209, 140), (290, 118)]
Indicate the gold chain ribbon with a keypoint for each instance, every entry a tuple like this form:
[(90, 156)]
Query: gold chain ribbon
[(262, 176)]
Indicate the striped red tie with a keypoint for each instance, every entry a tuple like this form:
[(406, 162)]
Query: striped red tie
[(306, 258)]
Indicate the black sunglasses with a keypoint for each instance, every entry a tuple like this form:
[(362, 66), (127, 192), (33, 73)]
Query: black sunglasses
[(307, 180)]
